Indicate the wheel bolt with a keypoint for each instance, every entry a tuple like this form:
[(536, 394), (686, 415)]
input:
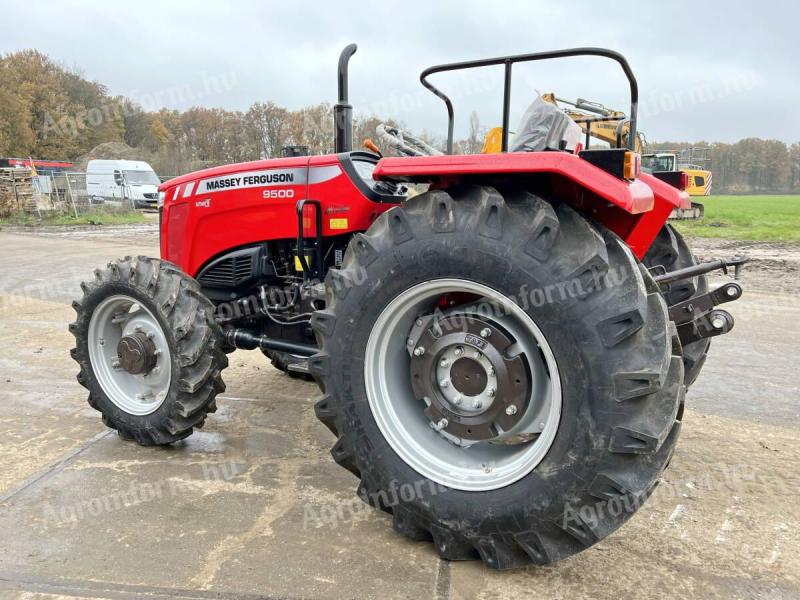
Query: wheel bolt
[(419, 351), (150, 335), (511, 410), (491, 371), (418, 322), (486, 332), (444, 383), (477, 404), (457, 399), (444, 362), (459, 351), (491, 392)]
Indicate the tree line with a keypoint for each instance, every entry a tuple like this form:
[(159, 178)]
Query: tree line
[(48, 111), (751, 165)]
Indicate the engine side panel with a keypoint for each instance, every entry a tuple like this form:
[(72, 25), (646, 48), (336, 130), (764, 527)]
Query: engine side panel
[(213, 211)]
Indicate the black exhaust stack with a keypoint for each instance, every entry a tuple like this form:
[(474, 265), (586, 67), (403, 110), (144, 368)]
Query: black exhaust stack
[(342, 111)]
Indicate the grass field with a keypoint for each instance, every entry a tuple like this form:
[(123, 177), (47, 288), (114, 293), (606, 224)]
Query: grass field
[(757, 218), (98, 217)]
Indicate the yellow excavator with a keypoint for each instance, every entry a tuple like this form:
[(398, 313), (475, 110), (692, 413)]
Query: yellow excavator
[(596, 121), (611, 126), (698, 177)]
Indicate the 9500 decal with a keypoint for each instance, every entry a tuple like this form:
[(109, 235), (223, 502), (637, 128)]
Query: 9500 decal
[(270, 194)]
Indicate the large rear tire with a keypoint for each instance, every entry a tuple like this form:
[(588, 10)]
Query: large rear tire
[(149, 349), (670, 251), (600, 348)]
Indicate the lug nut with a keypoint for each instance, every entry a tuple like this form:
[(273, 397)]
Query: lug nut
[(444, 362), (150, 335), (477, 404), (511, 410), (459, 351), (418, 322), (457, 399), (486, 332), (491, 392), (444, 383), (419, 351), (409, 342), (441, 424), (491, 371)]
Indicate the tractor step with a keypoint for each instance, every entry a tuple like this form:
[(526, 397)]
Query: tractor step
[(299, 367)]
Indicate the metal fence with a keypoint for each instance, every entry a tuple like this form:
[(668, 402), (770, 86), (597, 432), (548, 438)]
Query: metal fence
[(23, 192)]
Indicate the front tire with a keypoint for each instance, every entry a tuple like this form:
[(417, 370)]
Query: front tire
[(149, 349), (603, 320)]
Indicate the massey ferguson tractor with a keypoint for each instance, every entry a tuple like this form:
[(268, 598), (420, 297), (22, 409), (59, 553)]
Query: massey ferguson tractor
[(503, 357)]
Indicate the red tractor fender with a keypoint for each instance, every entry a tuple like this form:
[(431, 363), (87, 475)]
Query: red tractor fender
[(635, 210)]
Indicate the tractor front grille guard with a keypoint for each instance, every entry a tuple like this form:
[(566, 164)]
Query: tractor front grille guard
[(508, 61)]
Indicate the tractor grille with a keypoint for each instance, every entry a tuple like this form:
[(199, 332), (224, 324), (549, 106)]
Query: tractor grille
[(228, 272)]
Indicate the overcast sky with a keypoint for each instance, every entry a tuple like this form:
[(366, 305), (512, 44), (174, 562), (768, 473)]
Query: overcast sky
[(715, 71)]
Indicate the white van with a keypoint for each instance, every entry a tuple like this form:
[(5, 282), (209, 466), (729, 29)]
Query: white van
[(122, 181)]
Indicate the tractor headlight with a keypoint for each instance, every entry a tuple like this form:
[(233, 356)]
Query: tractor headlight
[(161, 197)]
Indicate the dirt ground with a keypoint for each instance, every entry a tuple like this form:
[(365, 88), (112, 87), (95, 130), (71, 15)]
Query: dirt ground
[(254, 507), (773, 266)]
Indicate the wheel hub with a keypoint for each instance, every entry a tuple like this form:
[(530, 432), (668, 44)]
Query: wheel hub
[(136, 353), (466, 371), (468, 376)]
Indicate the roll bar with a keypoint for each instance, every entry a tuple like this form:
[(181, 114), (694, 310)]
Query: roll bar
[(510, 60)]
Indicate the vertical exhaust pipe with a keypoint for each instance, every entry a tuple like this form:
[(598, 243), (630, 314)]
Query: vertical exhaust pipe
[(342, 111)]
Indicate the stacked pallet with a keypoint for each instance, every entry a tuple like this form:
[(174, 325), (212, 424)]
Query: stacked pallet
[(16, 191)]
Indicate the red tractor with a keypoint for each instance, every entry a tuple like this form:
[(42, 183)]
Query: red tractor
[(503, 357)]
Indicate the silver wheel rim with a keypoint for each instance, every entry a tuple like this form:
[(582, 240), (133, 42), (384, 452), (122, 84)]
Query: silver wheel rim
[(114, 318), (481, 466)]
